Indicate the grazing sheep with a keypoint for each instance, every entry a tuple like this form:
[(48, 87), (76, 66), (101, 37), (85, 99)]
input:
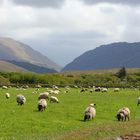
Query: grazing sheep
[(42, 104), (54, 99), (97, 89), (91, 90), (55, 87), (7, 95), (44, 95), (56, 92), (123, 113), (138, 101), (82, 90), (104, 90), (4, 87), (116, 89), (90, 112), (21, 99)]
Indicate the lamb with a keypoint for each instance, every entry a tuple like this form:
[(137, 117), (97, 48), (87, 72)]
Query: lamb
[(123, 113), (7, 95), (90, 112), (54, 99), (42, 104), (44, 95), (138, 101), (21, 99)]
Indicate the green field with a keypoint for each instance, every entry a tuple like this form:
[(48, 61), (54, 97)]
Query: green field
[(65, 120)]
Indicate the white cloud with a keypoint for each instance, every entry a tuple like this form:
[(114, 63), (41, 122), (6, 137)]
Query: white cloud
[(64, 33), (126, 2), (40, 4)]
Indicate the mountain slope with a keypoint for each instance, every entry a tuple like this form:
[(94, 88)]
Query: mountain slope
[(17, 51), (109, 56), (8, 67)]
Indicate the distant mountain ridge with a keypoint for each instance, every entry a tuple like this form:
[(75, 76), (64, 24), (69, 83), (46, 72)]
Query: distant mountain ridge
[(14, 51), (109, 56)]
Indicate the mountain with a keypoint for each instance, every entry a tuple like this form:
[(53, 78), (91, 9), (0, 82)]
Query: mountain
[(8, 67), (14, 51), (109, 56)]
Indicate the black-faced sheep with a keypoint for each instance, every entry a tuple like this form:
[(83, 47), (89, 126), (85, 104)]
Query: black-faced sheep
[(123, 113), (7, 95), (21, 99), (138, 102), (42, 104), (44, 95), (54, 99), (90, 112), (97, 89)]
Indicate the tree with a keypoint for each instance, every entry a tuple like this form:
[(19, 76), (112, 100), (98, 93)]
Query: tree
[(121, 73)]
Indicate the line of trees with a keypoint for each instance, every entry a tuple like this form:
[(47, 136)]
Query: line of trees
[(119, 79)]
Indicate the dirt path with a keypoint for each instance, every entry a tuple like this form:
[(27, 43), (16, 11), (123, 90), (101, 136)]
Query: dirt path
[(135, 136)]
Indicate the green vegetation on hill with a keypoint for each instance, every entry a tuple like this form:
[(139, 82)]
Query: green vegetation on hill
[(81, 79)]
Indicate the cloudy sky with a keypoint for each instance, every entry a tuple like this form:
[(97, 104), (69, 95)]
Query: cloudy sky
[(64, 29)]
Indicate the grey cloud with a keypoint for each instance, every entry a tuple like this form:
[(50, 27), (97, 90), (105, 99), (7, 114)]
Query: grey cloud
[(126, 2), (40, 3)]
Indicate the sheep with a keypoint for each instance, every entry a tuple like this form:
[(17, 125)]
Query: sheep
[(7, 95), (104, 90), (4, 87), (97, 89), (42, 104), (44, 95), (138, 101), (54, 99), (56, 92), (90, 112), (20, 99), (116, 89), (123, 113)]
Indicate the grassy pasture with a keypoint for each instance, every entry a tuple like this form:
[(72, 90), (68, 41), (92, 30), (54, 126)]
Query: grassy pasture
[(65, 120)]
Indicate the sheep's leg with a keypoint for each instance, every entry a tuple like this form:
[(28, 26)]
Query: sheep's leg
[(128, 118), (125, 118), (85, 118)]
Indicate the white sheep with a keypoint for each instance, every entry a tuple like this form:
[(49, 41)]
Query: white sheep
[(44, 95), (4, 87), (90, 112), (123, 113), (21, 99), (54, 99), (42, 104), (138, 102), (7, 95), (116, 89), (103, 89)]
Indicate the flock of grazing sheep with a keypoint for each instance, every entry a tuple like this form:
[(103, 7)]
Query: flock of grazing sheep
[(90, 111)]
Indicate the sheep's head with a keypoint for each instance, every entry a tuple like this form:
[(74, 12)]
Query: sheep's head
[(92, 105), (40, 108), (120, 116), (86, 117)]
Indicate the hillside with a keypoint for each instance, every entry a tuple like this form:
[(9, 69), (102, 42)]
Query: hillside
[(12, 50), (109, 56), (8, 67)]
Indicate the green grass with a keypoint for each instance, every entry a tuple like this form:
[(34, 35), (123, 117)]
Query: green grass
[(65, 120)]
